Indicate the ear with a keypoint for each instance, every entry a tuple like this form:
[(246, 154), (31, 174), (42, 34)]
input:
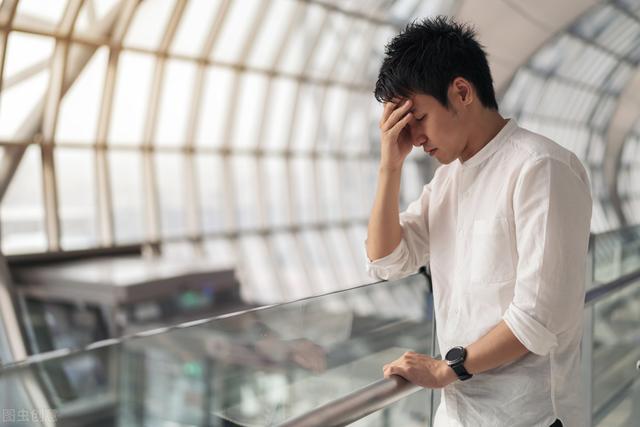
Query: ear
[(462, 91)]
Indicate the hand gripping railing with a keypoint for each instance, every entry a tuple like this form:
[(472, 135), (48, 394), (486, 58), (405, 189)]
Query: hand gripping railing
[(356, 405)]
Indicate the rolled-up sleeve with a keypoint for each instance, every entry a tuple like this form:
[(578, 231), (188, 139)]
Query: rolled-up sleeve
[(552, 209), (413, 250)]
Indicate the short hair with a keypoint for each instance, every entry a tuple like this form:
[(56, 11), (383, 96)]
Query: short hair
[(428, 55)]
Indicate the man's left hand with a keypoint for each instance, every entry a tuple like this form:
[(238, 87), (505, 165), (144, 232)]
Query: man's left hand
[(421, 370)]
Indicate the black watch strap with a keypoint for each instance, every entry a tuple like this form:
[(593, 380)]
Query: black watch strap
[(460, 371)]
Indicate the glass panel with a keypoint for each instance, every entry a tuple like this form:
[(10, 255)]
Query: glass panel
[(330, 187), (127, 192), (169, 169), (330, 44), (307, 116), (93, 12), (22, 209), (149, 24), (40, 51), (342, 256), (301, 38), (276, 190), (211, 188), (615, 354), (195, 26), (318, 262), (75, 174), (272, 33), (303, 197), (215, 106), (279, 114), (175, 104), (22, 101), (247, 211), (80, 107), (248, 114), (220, 250), (236, 28), (333, 118), (256, 369), (40, 15), (131, 97), (288, 261), (357, 135), (258, 281)]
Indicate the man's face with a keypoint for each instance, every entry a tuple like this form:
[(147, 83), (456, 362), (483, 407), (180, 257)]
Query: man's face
[(440, 131)]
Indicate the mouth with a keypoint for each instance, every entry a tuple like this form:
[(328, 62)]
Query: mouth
[(431, 151)]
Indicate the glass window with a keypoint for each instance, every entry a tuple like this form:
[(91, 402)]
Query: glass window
[(195, 26), (288, 261), (329, 187), (259, 283), (211, 186), (351, 188), (276, 190), (349, 67), (40, 51), (279, 113), (216, 98), (131, 98), (246, 189), (343, 258), (75, 175), (93, 12), (80, 106), (149, 24), (22, 212), (235, 31), (40, 15), (127, 192), (335, 111), (356, 127), (302, 36), (20, 103), (356, 236), (248, 115), (175, 102), (272, 32), (330, 44), (170, 174), (318, 262), (220, 250), (306, 117), (304, 202)]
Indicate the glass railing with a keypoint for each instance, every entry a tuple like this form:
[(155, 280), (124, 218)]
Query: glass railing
[(257, 368), (269, 366), (611, 343)]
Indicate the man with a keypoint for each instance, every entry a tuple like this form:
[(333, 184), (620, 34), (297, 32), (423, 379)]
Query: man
[(504, 225)]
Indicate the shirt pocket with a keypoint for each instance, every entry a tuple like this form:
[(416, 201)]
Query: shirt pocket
[(491, 253)]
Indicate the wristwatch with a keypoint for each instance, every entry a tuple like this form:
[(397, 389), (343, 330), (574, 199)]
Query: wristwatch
[(455, 358)]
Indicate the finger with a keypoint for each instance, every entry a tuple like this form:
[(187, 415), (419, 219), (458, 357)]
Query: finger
[(397, 114), (389, 106), (400, 125)]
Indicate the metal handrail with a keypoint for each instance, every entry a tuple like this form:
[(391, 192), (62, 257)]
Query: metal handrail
[(356, 405), (608, 288), (380, 394)]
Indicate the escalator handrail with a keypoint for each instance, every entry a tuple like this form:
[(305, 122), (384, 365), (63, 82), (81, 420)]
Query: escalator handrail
[(606, 289)]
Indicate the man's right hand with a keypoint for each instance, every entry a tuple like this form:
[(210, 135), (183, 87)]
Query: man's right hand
[(395, 138)]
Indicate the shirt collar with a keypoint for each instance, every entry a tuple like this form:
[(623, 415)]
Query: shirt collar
[(492, 146)]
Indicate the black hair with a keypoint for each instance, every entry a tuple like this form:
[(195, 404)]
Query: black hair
[(427, 56)]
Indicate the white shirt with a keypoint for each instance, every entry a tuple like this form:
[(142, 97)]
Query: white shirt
[(506, 235)]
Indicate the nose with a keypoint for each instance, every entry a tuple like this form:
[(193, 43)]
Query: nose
[(417, 135)]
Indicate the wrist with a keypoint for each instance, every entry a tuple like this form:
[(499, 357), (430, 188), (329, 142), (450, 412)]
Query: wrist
[(446, 374)]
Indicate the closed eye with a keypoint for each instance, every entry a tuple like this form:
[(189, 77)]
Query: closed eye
[(420, 119)]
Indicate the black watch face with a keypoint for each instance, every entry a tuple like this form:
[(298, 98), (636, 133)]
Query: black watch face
[(454, 354)]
